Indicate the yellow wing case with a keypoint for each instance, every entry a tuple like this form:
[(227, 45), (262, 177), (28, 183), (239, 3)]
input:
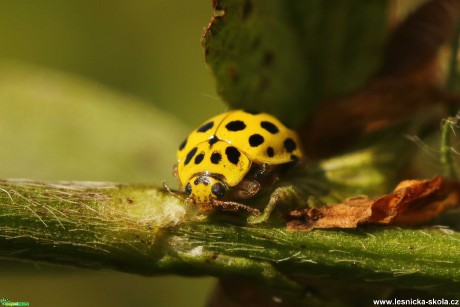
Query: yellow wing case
[(202, 133), (261, 136), (222, 159), (227, 144)]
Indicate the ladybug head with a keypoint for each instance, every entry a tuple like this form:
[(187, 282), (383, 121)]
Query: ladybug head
[(203, 189)]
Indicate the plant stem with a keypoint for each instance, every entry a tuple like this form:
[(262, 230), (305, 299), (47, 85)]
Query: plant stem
[(446, 150), (142, 230)]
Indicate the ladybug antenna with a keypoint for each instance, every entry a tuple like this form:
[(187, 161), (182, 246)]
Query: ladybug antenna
[(176, 194)]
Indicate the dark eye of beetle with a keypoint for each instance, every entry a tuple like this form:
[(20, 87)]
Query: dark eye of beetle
[(188, 188), (218, 189)]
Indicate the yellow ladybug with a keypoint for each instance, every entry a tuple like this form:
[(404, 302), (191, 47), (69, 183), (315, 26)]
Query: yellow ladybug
[(231, 156)]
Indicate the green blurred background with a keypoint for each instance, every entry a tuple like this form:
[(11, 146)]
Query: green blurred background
[(100, 90)]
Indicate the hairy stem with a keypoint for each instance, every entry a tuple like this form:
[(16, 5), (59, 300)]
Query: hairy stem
[(142, 230)]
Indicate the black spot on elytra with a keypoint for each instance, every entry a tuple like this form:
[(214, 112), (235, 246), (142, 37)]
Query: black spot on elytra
[(212, 140), (294, 158), (255, 140), (199, 158), (236, 125), (205, 127), (233, 154), (216, 157), (251, 112), (270, 127), (289, 144), (270, 152), (247, 9), (190, 155), (182, 145)]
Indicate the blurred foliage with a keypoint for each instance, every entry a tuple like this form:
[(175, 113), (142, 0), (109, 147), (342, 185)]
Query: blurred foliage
[(59, 127), (147, 48)]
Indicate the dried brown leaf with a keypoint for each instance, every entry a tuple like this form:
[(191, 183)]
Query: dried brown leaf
[(412, 202)]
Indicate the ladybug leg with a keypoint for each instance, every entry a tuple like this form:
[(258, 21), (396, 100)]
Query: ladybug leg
[(245, 189), (233, 206), (261, 171), (286, 194)]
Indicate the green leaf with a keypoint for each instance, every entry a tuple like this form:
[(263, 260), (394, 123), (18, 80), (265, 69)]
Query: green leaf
[(286, 56)]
